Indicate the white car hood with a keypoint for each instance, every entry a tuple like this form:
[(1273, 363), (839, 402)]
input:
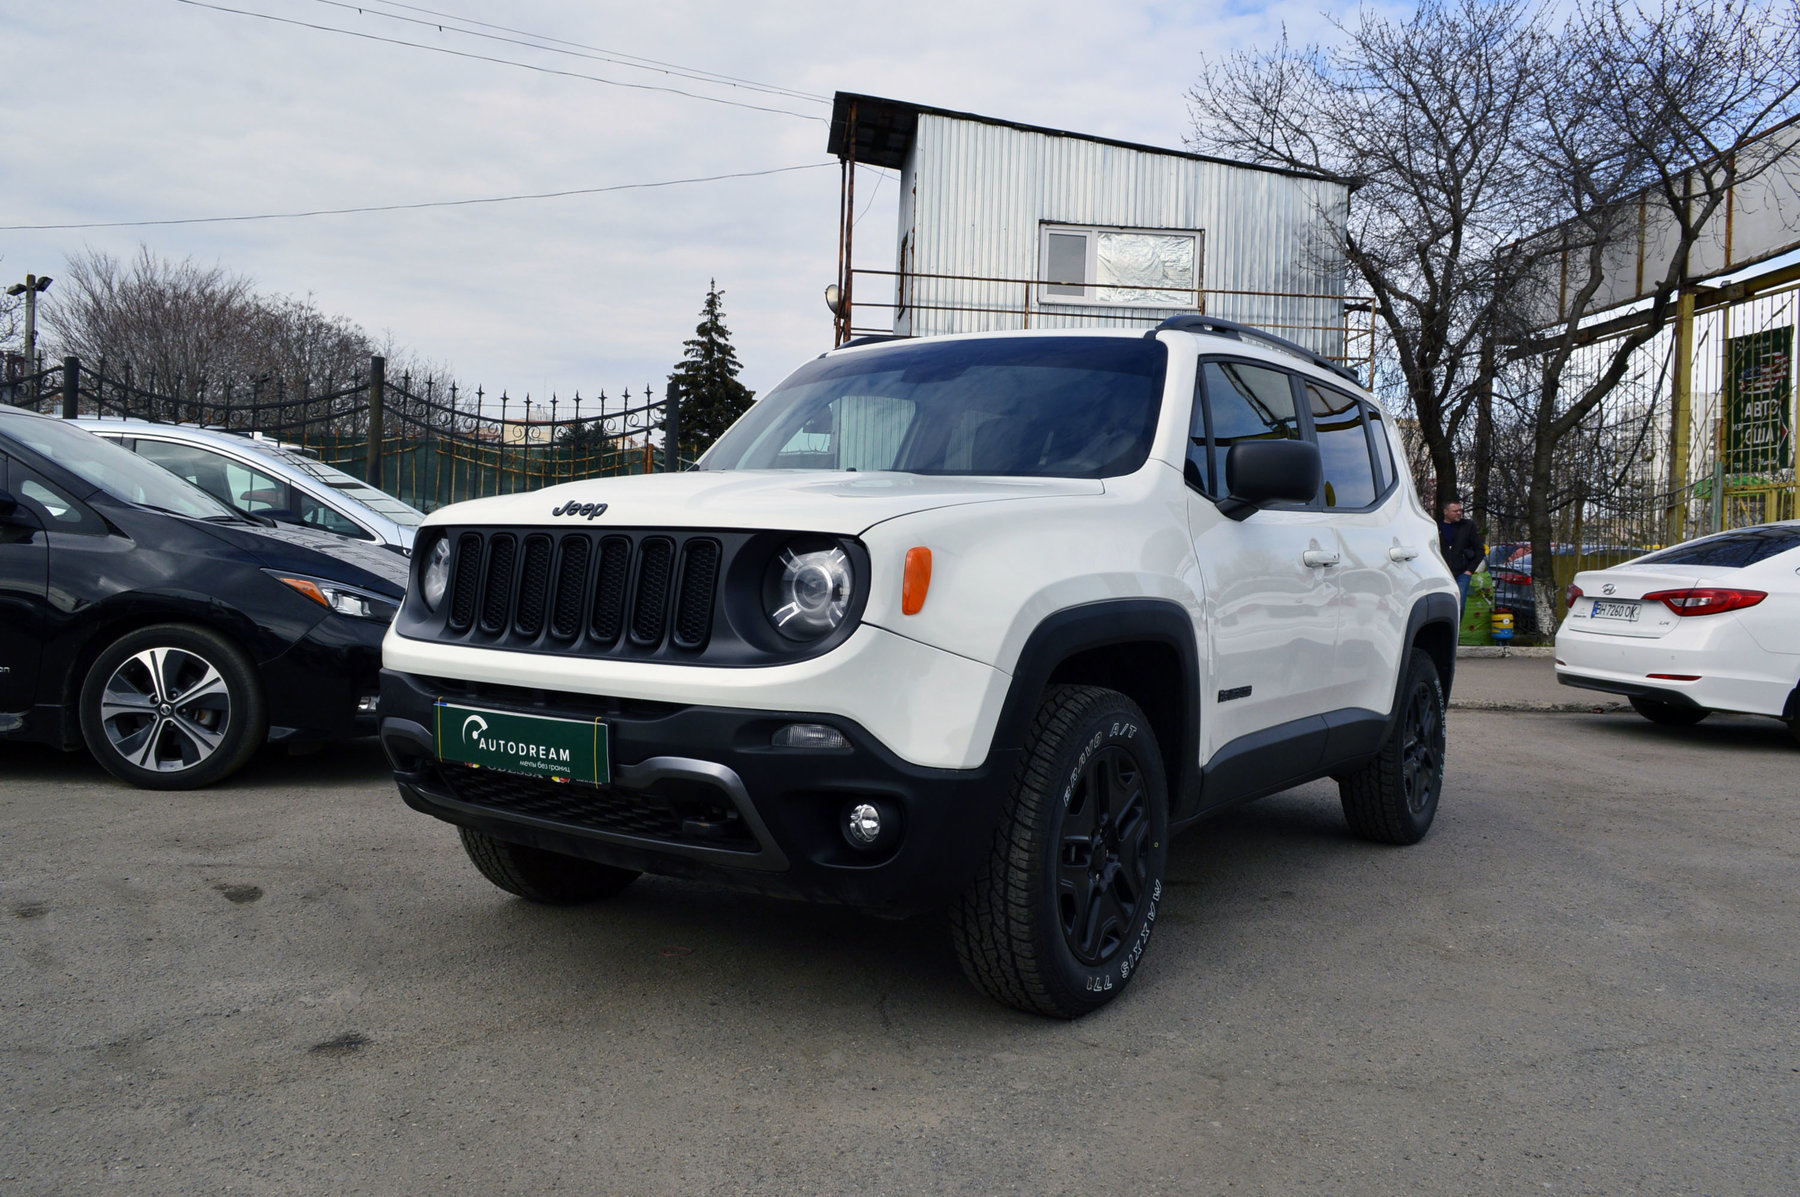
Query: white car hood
[(840, 503)]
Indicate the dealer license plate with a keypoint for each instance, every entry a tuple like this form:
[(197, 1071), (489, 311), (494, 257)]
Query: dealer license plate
[(1614, 609), (534, 745)]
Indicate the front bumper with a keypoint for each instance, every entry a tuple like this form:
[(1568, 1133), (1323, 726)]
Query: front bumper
[(699, 792), (314, 689)]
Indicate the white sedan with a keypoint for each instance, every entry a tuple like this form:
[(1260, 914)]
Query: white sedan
[(1710, 625)]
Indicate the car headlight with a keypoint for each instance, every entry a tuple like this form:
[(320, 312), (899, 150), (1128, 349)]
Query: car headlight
[(807, 592), (342, 597), (434, 579)]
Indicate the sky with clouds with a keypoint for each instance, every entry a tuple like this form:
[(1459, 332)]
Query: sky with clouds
[(144, 110)]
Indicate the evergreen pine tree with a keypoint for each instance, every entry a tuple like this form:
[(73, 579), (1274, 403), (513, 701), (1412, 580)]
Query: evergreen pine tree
[(711, 395)]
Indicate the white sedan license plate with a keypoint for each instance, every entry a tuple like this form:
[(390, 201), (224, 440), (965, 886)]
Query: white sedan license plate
[(1615, 609)]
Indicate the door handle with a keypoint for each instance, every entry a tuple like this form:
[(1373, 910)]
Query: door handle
[(1320, 557), (1402, 553)]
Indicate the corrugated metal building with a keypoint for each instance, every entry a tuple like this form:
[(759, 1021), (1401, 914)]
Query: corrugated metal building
[(1003, 226)]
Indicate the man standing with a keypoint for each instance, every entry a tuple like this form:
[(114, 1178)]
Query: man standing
[(1460, 543)]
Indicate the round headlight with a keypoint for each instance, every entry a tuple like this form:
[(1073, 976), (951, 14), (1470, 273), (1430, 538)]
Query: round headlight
[(436, 576), (811, 592)]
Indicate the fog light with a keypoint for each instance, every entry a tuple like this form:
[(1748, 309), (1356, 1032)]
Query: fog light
[(864, 825), (809, 735), (367, 703)]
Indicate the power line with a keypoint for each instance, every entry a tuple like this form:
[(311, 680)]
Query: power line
[(462, 203), (395, 41), (554, 45)]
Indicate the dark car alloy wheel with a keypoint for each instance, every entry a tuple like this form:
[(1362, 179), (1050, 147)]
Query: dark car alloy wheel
[(1103, 868), (172, 707), (165, 709)]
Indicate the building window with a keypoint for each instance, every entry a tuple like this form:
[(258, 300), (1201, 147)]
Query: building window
[(1157, 268)]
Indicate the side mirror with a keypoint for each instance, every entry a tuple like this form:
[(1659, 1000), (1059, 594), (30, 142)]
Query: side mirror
[(1258, 473)]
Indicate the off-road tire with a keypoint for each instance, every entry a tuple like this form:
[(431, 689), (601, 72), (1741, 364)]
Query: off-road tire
[(1393, 798), (156, 696), (1667, 713), (539, 876), (1079, 856)]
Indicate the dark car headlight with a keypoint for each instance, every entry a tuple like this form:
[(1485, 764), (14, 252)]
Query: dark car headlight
[(807, 590), (341, 597), (434, 577)]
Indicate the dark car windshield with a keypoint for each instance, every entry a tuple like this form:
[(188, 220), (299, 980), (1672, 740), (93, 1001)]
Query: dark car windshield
[(1045, 407), (1734, 550), (117, 471)]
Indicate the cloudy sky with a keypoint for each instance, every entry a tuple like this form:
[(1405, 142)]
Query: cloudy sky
[(159, 110)]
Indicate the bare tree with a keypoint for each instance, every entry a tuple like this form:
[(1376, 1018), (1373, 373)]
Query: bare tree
[(1426, 117), (1653, 117), (178, 325), (202, 335)]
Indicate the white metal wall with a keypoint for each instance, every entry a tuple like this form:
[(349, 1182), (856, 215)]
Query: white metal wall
[(973, 196)]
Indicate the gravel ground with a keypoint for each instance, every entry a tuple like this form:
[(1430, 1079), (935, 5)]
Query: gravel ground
[(1583, 981)]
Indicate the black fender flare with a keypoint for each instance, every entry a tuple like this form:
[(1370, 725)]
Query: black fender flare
[(1100, 625), (1432, 609)]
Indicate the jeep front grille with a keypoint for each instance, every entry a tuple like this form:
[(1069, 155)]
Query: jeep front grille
[(524, 590)]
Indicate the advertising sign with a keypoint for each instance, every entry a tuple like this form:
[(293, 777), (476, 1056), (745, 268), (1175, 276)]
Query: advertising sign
[(1759, 402), (535, 745)]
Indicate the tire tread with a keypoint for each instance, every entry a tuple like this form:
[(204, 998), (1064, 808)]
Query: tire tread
[(539, 876), (992, 922), (1374, 796)]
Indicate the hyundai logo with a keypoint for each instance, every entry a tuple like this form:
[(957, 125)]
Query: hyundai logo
[(1608, 588), (588, 510)]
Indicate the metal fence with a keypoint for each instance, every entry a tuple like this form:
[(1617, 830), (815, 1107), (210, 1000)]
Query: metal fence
[(1696, 438), (422, 443)]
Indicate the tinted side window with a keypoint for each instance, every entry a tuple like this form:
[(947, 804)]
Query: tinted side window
[(1199, 451), (1343, 447), (1384, 452), (1733, 550), (309, 510), (56, 508), (217, 475), (1245, 403)]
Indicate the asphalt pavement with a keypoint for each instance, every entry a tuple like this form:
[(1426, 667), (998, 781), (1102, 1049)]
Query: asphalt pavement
[(1582, 981)]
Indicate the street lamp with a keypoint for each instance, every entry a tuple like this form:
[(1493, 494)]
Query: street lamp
[(29, 289)]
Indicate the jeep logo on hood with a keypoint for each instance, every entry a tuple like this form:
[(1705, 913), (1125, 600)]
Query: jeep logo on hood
[(587, 510)]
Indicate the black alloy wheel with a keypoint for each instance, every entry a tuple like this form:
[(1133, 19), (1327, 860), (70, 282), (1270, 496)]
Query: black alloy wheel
[(1057, 919), (1103, 873), (1422, 746), (1394, 797)]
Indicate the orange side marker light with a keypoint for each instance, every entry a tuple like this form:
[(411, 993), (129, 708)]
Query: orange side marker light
[(917, 581)]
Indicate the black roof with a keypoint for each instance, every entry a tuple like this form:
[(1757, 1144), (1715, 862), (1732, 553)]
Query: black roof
[(885, 130)]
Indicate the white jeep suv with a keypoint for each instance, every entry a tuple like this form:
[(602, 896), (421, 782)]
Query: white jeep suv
[(972, 622)]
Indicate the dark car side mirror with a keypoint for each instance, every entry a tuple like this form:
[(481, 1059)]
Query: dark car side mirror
[(1258, 473)]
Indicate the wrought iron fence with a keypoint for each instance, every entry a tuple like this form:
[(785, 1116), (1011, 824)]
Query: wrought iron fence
[(422, 443)]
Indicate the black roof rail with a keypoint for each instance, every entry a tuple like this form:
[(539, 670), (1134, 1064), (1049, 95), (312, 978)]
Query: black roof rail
[(1195, 322)]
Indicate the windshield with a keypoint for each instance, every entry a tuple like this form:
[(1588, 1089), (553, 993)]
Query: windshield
[(351, 487), (1040, 407), (117, 471)]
